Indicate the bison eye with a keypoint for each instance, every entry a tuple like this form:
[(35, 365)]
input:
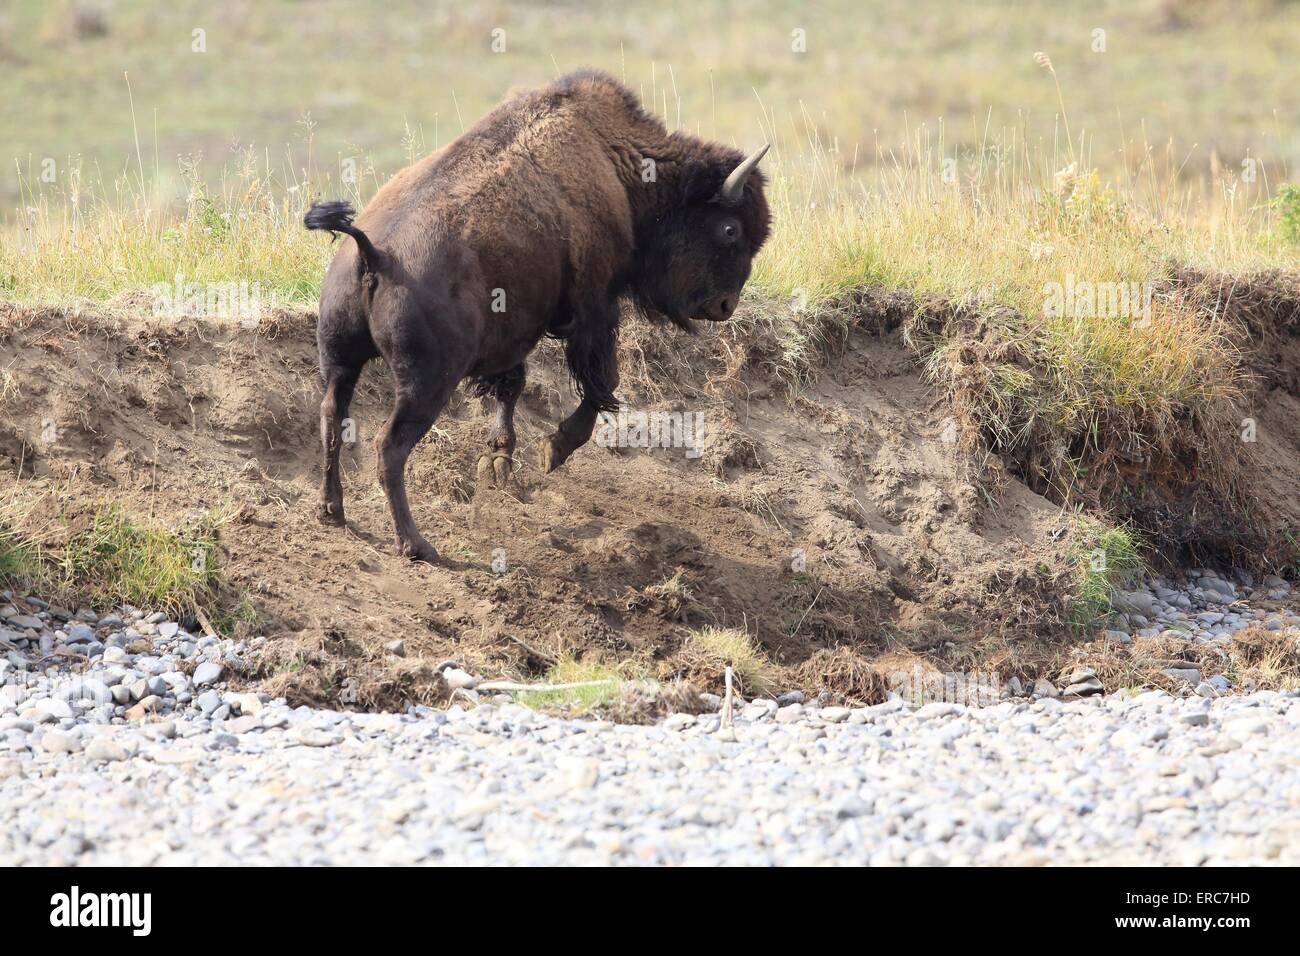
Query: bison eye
[(729, 232)]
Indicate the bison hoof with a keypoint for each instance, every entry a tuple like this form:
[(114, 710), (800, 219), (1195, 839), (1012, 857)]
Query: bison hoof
[(330, 513), (418, 550), (494, 469), (552, 455)]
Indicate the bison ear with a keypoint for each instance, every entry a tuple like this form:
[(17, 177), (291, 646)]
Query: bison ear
[(700, 181)]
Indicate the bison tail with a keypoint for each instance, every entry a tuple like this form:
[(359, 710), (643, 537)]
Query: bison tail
[(336, 216)]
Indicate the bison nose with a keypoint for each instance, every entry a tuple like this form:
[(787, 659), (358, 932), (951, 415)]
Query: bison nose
[(720, 309)]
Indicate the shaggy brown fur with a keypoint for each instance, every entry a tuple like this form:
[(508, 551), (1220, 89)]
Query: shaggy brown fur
[(538, 220)]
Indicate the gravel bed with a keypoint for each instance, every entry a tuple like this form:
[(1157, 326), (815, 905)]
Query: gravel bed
[(122, 744)]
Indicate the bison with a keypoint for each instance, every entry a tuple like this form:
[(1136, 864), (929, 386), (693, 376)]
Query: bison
[(559, 206)]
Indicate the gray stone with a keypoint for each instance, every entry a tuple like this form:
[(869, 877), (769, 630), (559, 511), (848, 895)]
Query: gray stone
[(789, 713), (58, 709), (57, 742), (209, 672), (243, 725), (1134, 602), (311, 737), (1083, 688), (759, 709), (852, 807), (103, 749), (80, 634)]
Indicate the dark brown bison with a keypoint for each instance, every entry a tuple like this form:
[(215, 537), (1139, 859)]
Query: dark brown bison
[(561, 204)]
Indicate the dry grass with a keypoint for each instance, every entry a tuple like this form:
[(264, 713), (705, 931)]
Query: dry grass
[(708, 651), (846, 675), (1254, 659), (673, 598)]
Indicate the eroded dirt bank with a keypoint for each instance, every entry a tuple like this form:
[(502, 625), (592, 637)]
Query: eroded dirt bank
[(843, 525)]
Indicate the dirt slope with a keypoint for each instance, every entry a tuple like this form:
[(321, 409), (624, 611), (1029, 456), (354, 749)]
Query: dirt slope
[(839, 526)]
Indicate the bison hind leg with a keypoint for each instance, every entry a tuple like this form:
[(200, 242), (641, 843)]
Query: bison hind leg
[(335, 429), (343, 338)]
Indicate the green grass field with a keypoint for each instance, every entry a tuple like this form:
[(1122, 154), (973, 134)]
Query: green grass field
[(1213, 77)]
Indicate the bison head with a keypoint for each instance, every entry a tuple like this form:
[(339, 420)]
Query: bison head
[(694, 259)]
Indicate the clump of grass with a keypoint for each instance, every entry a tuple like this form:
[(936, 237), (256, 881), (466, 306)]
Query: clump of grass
[(672, 598), (1260, 658), (20, 562), (1288, 209), (110, 558), (579, 700), (1106, 558), (709, 651), (119, 560)]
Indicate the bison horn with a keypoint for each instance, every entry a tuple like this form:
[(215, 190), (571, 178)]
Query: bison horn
[(734, 188)]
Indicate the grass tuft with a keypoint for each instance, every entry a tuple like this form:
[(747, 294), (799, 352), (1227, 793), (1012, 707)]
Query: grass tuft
[(20, 561), (578, 700), (119, 561), (1107, 558), (709, 651), (110, 558)]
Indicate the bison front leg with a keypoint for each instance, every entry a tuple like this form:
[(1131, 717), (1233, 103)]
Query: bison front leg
[(593, 363), (574, 432), (496, 465)]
